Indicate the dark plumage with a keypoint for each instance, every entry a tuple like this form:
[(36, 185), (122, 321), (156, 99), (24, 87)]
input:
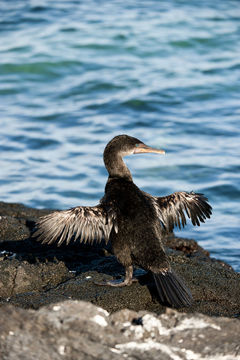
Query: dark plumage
[(134, 222)]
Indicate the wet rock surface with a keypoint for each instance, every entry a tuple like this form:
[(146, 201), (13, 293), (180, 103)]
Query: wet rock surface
[(81, 330)]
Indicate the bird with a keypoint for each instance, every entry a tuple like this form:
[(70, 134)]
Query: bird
[(133, 221)]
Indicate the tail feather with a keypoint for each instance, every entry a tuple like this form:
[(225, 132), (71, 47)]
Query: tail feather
[(171, 289)]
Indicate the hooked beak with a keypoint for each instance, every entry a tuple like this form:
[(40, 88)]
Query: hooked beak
[(142, 148)]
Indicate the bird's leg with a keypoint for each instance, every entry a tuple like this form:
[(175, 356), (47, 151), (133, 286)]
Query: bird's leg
[(118, 282)]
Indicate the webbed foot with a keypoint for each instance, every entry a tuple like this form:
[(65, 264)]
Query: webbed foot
[(119, 282)]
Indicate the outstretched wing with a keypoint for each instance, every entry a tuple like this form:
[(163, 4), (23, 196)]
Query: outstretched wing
[(82, 223), (174, 207)]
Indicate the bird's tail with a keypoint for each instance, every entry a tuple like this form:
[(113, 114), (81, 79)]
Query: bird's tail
[(172, 290)]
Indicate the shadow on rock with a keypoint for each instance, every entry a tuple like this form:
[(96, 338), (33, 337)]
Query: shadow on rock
[(33, 275)]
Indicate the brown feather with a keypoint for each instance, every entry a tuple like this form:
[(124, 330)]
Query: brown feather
[(172, 208), (82, 223)]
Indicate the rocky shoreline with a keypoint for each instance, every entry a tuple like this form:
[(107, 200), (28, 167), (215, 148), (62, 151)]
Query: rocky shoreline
[(35, 278)]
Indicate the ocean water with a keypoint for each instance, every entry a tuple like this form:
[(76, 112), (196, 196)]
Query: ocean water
[(73, 74)]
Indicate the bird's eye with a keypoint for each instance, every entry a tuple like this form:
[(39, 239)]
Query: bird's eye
[(137, 145)]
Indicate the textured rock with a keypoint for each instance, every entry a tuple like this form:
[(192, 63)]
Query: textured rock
[(33, 275), (18, 277), (79, 330)]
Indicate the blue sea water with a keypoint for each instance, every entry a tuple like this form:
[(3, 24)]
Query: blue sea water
[(73, 74)]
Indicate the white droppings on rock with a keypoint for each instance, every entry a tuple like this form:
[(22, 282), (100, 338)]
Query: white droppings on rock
[(152, 326), (98, 319), (116, 351), (150, 323), (190, 355), (137, 330), (194, 323), (126, 324), (56, 307), (149, 346), (172, 352), (105, 312), (61, 350), (11, 333)]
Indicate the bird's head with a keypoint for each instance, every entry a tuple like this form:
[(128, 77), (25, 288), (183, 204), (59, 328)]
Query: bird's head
[(124, 145), (120, 146)]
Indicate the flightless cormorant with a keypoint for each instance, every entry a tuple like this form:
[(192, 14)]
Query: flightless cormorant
[(132, 220)]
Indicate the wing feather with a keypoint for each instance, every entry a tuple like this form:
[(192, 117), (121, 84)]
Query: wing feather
[(82, 223), (174, 207)]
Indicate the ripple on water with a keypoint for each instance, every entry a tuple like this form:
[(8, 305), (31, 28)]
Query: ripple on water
[(74, 74)]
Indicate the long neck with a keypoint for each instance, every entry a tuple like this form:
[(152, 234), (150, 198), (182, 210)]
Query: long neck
[(116, 166)]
